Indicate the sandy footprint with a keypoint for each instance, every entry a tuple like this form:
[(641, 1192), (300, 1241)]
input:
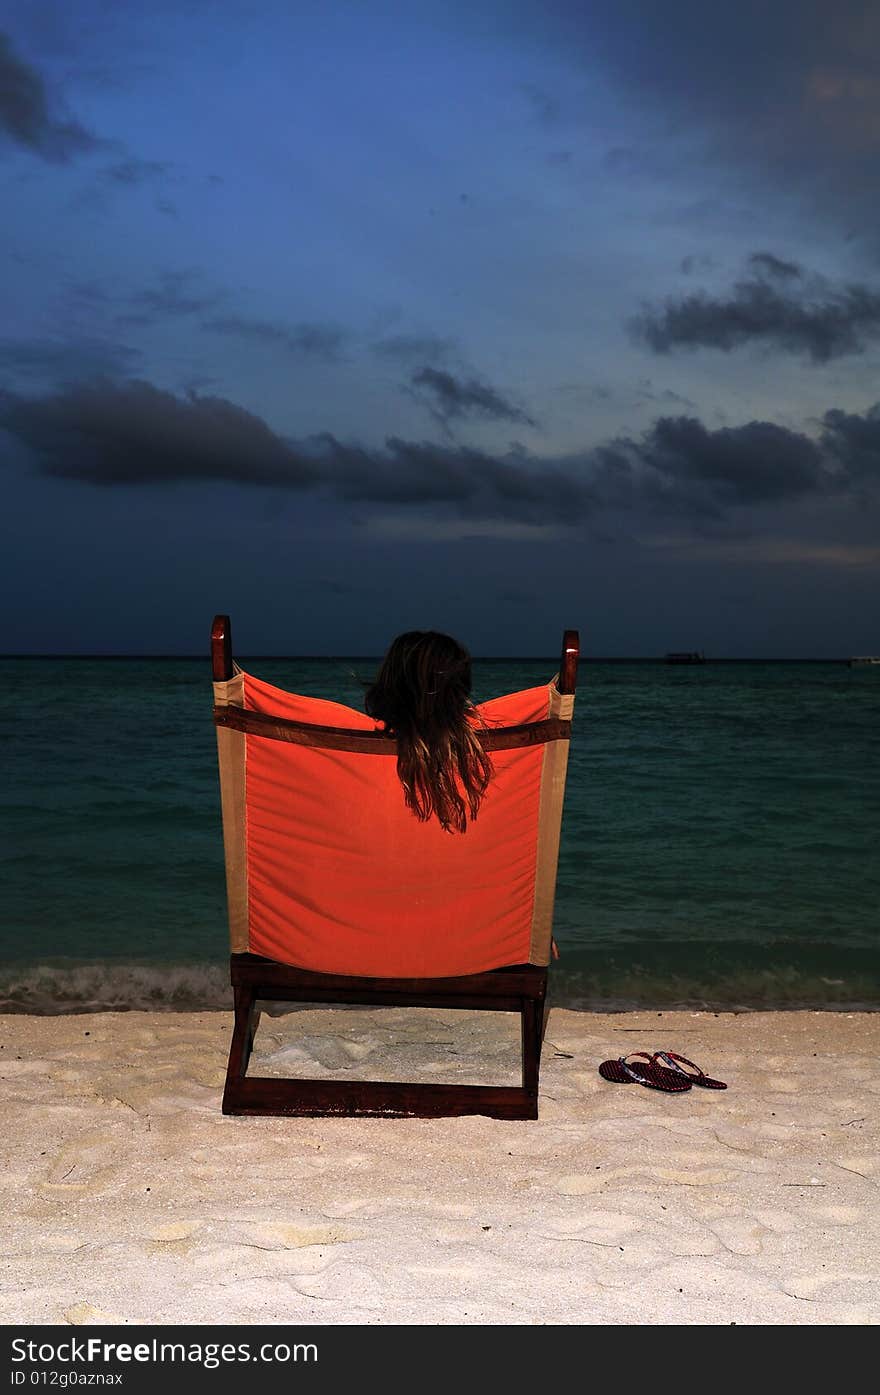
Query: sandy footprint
[(87, 1315), (740, 1139), (333, 1053), (741, 1235), (284, 1235), (610, 1228), (84, 1166), (579, 1184), (176, 1237), (839, 1215), (174, 1230), (816, 1286), (353, 1284), (234, 1263)]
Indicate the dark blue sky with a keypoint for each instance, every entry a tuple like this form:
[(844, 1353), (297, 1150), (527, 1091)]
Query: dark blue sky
[(350, 318)]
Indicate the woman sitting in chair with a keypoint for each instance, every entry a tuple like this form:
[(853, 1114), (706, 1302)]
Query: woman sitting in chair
[(422, 697)]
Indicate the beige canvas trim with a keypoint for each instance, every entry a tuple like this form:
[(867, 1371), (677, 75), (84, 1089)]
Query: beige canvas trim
[(561, 704), (553, 771), (230, 691), (231, 756)]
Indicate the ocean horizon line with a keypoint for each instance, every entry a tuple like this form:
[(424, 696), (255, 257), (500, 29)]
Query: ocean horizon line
[(477, 658)]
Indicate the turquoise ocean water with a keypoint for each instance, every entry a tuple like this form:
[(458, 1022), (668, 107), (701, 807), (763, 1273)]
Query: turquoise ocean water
[(721, 838)]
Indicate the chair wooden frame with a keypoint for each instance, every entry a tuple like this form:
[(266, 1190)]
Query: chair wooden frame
[(520, 988)]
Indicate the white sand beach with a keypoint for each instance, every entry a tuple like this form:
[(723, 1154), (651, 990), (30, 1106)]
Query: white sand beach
[(127, 1197)]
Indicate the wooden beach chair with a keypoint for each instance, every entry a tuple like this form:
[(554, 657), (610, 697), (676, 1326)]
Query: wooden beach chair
[(338, 894)]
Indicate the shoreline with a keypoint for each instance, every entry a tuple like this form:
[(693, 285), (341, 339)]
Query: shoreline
[(597, 1007), (129, 1197), (66, 987)]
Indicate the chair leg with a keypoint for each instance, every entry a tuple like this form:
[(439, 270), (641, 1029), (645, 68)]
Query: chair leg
[(247, 1019), (532, 1022), (544, 1018)]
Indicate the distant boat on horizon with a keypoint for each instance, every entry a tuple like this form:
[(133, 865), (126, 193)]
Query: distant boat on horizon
[(686, 656), (864, 660)]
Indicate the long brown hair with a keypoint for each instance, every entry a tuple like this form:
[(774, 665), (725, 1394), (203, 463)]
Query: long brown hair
[(422, 696)]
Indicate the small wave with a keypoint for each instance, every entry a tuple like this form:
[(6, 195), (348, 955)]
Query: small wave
[(113, 986), (48, 990), (778, 987)]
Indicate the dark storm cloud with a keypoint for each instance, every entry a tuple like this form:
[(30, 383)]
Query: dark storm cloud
[(853, 441), (758, 463), (134, 433), (114, 434), (419, 472), (450, 397), (777, 304), (123, 434), (312, 340), (26, 116)]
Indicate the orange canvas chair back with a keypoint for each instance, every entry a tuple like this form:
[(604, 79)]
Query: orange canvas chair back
[(328, 870)]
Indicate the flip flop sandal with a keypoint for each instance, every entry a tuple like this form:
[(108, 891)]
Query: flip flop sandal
[(625, 1072), (699, 1077), (614, 1071)]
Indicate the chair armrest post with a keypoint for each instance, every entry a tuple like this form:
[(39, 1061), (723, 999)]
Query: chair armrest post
[(221, 649), (568, 663)]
